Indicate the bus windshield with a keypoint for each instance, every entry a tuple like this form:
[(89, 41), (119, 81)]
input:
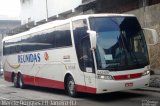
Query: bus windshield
[(120, 43)]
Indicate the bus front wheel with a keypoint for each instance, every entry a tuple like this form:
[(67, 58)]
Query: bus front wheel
[(71, 87)]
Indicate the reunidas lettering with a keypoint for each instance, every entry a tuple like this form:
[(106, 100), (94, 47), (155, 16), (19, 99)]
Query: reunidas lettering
[(29, 58)]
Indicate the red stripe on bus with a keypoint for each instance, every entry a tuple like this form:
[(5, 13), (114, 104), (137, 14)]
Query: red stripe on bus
[(128, 76), (29, 80), (56, 84), (48, 83), (7, 76), (85, 89), (43, 82)]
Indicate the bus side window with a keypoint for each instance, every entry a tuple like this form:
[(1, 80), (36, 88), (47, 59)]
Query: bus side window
[(63, 36), (87, 59), (82, 44), (12, 46)]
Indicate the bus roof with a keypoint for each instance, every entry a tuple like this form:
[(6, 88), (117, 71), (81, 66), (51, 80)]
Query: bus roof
[(102, 15), (65, 21)]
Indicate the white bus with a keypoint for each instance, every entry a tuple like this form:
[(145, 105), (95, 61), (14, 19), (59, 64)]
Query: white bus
[(95, 53)]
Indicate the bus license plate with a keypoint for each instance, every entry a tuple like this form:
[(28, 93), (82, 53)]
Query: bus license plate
[(129, 84)]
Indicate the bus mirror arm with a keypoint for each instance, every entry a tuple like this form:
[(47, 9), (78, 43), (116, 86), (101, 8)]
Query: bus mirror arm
[(154, 35), (93, 39)]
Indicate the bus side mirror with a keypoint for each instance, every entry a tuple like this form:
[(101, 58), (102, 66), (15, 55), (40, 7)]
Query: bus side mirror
[(93, 38), (151, 36)]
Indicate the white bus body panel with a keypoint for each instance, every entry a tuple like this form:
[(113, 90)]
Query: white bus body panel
[(104, 86)]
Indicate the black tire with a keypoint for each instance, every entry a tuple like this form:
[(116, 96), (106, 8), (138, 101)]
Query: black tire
[(71, 87), (21, 82), (15, 81)]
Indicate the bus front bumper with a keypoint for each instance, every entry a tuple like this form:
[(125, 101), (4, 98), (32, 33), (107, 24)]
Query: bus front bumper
[(104, 86)]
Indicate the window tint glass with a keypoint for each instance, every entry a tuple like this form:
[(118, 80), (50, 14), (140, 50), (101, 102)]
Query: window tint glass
[(50, 38), (12, 46), (82, 44), (62, 36)]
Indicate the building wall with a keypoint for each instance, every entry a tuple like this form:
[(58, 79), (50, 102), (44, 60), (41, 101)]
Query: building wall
[(5, 26), (149, 17), (56, 7), (32, 10), (37, 10)]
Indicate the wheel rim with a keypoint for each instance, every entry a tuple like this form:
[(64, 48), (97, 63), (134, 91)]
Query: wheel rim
[(20, 82), (15, 79), (71, 87)]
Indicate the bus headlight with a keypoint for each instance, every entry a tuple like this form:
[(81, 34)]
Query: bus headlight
[(105, 77), (146, 72)]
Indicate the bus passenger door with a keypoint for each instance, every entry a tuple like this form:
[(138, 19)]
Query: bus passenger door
[(84, 55), (88, 64)]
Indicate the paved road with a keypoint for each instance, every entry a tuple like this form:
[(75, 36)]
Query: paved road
[(127, 98)]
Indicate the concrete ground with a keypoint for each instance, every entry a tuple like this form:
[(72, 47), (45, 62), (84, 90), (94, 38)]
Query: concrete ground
[(155, 81), (138, 97)]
